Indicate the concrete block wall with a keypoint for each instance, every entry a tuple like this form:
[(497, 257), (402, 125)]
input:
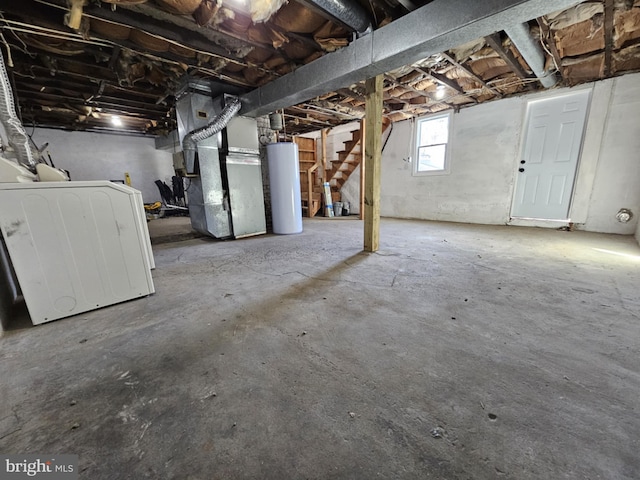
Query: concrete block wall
[(484, 160), (97, 156)]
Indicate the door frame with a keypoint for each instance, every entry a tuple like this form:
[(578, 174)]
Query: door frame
[(543, 222)]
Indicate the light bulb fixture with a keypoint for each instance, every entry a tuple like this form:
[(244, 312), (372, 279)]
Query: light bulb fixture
[(440, 92), (116, 121)]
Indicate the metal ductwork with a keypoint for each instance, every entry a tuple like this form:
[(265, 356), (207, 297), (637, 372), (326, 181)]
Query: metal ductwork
[(219, 122), (190, 141), (432, 28), (17, 136), (531, 51), (347, 12), (221, 157)]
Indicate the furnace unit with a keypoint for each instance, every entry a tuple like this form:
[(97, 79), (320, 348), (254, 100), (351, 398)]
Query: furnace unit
[(221, 159)]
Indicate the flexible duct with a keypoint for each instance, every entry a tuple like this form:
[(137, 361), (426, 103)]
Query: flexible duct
[(17, 136), (191, 139)]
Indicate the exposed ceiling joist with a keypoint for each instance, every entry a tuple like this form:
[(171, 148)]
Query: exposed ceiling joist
[(447, 82), (407, 86), (608, 36), (196, 39), (433, 28), (471, 74), (495, 42)]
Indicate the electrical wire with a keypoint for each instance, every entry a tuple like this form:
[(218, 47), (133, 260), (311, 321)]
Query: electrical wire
[(9, 57), (24, 48), (545, 48)]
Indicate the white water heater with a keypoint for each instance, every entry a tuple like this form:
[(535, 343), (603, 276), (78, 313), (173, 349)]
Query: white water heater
[(284, 183)]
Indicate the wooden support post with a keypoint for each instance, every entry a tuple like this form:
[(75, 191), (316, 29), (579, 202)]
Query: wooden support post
[(310, 208), (372, 160), (323, 140), (363, 136), (310, 192)]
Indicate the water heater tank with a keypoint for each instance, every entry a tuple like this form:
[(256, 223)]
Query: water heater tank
[(284, 182)]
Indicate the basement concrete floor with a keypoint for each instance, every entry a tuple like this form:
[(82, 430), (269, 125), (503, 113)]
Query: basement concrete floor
[(455, 352)]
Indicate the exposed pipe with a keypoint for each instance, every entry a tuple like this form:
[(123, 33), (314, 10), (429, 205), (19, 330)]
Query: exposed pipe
[(191, 139), (17, 136), (348, 12), (531, 52)]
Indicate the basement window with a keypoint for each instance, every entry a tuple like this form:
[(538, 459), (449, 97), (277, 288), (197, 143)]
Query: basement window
[(432, 145)]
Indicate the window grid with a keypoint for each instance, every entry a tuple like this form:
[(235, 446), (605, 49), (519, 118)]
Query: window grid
[(432, 145)]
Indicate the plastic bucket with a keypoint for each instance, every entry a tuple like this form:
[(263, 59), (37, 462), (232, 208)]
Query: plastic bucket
[(346, 209), (337, 209)]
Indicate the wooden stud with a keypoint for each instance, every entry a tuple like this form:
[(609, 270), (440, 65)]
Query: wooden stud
[(395, 82), (447, 82), (495, 42), (323, 140), (372, 161), (363, 137), (608, 37), (469, 72)]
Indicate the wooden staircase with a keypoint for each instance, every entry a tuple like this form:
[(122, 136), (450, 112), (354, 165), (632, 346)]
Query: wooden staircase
[(349, 158), (310, 181)]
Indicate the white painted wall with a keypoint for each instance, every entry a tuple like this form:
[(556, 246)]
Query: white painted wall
[(484, 160), (96, 156), (617, 180)]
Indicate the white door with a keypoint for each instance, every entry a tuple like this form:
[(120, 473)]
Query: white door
[(550, 151)]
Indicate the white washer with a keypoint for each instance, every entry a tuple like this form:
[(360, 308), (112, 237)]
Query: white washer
[(76, 246)]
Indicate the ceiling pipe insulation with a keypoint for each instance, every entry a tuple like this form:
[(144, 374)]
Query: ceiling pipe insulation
[(347, 12), (531, 51)]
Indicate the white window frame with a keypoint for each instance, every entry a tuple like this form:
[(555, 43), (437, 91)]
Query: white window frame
[(416, 147)]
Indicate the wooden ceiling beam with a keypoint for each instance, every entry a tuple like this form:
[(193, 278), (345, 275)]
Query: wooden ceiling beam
[(115, 54), (495, 42), (197, 38), (119, 45), (30, 96), (350, 92), (348, 110), (469, 72), (33, 89), (395, 82), (88, 87), (608, 36), (447, 82)]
